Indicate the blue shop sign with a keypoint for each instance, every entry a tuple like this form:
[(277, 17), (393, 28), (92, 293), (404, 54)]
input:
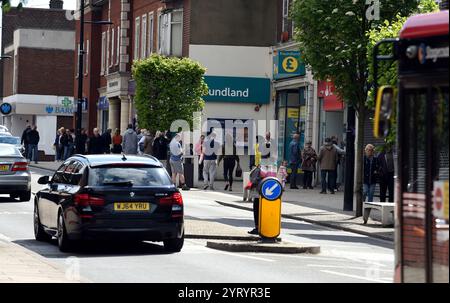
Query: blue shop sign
[(238, 89), (288, 64), (103, 103)]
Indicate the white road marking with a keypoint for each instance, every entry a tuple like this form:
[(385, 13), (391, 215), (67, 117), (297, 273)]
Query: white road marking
[(353, 276), (346, 267)]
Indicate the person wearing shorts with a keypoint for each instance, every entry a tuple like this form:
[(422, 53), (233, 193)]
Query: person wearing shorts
[(176, 161)]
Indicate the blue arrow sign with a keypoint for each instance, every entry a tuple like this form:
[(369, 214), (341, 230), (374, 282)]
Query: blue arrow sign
[(271, 189)]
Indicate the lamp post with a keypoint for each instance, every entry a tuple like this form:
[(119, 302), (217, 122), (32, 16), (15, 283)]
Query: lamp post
[(79, 115)]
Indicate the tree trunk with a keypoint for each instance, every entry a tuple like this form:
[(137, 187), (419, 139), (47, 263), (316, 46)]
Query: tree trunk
[(359, 160)]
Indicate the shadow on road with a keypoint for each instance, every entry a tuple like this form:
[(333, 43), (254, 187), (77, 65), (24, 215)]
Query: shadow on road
[(89, 249), (4, 199)]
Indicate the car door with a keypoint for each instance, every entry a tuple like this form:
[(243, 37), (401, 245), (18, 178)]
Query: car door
[(47, 195)]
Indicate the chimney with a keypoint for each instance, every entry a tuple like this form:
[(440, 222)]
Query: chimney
[(56, 4)]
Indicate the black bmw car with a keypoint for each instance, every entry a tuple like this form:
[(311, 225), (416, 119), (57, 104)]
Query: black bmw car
[(109, 197)]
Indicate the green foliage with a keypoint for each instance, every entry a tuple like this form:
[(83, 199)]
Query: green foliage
[(168, 89), (333, 40), (6, 4)]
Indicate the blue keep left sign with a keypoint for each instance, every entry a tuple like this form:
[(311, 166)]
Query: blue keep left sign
[(5, 108), (271, 189)]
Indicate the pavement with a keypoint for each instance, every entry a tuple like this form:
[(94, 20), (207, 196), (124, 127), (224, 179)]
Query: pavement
[(302, 204), (20, 265)]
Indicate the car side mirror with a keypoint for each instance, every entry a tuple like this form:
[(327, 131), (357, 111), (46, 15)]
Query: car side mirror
[(44, 180), (384, 111)]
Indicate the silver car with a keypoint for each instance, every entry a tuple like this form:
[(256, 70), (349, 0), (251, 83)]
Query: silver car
[(13, 141), (15, 177)]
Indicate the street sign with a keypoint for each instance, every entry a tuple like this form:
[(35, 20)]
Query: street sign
[(5, 108), (271, 189), (440, 200)]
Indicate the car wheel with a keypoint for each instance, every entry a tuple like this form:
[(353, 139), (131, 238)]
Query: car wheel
[(39, 232), (64, 243), (25, 196), (174, 245)]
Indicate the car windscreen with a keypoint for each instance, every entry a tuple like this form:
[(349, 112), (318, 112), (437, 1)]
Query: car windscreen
[(10, 140), (8, 150), (128, 176)]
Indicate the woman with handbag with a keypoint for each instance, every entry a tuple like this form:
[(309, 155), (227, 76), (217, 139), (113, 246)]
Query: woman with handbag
[(229, 162)]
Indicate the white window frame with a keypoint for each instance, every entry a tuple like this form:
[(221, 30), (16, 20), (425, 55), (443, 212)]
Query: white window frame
[(118, 46), (171, 23), (108, 49), (137, 35), (286, 9), (86, 54), (151, 31), (144, 37), (103, 55), (113, 40), (159, 41)]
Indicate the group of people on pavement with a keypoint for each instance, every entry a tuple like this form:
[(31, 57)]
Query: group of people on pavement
[(30, 140), (131, 142)]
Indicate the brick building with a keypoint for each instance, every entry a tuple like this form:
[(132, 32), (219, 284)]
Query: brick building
[(232, 39), (38, 79)]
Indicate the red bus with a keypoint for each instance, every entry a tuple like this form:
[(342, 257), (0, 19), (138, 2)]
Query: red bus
[(420, 107)]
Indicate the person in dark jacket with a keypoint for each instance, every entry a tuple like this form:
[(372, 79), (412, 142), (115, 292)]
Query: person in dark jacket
[(294, 159), (57, 145), (95, 145), (386, 174), (64, 140), (160, 146), (371, 169), (81, 148), (33, 141), (107, 141), (24, 139), (230, 159), (328, 157)]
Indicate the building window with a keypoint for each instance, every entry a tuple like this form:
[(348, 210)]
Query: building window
[(137, 34), (102, 71), (171, 34), (86, 54), (161, 31), (288, 25), (151, 28), (118, 46), (108, 50), (144, 37), (113, 40)]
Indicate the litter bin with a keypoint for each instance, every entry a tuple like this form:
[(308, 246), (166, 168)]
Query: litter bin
[(270, 208)]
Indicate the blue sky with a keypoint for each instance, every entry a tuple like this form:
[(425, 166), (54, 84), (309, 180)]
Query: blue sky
[(68, 4)]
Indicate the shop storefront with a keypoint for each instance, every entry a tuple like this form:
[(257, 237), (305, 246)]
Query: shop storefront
[(332, 113)]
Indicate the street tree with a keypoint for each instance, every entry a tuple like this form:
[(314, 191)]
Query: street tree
[(168, 89), (333, 38), (6, 4)]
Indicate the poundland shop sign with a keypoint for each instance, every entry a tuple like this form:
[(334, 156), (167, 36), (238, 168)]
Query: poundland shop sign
[(238, 89)]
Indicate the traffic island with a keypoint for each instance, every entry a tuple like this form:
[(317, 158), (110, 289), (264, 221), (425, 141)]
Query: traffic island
[(279, 247)]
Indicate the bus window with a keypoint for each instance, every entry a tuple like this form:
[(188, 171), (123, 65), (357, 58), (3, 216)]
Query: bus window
[(414, 229), (440, 172)]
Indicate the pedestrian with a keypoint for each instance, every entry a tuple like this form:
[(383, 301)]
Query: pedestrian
[(337, 173), (141, 140), (160, 146), (176, 161), (282, 173), (148, 143), (211, 148), (230, 160), (57, 146), (71, 143), (256, 176), (198, 148), (33, 141), (255, 157), (117, 142), (294, 159), (266, 150), (81, 148), (24, 139), (386, 173), (107, 141), (309, 159), (327, 161), (371, 169), (64, 144), (130, 141), (95, 144)]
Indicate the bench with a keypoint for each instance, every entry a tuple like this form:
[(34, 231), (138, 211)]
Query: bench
[(386, 209)]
